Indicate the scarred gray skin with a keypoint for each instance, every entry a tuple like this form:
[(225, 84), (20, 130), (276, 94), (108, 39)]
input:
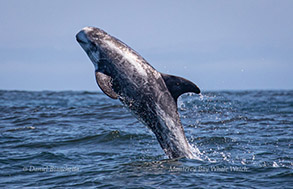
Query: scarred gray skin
[(123, 74)]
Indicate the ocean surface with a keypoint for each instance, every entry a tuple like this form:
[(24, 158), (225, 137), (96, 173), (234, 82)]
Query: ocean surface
[(85, 139)]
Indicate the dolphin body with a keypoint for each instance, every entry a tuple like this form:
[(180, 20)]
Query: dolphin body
[(123, 74)]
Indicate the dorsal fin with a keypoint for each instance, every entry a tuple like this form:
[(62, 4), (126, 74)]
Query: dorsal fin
[(105, 83), (178, 85)]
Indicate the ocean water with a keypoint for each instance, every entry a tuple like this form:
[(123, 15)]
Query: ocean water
[(85, 139)]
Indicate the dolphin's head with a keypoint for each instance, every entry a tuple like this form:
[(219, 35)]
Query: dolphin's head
[(91, 40)]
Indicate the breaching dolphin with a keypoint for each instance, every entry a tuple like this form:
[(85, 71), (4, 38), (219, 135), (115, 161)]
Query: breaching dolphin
[(151, 96)]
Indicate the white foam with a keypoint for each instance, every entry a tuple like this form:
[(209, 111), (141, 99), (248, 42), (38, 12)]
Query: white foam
[(201, 97)]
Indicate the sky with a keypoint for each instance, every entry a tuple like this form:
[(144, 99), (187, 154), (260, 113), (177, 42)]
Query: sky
[(219, 45)]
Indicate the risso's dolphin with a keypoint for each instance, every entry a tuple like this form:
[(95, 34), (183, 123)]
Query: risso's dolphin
[(151, 96)]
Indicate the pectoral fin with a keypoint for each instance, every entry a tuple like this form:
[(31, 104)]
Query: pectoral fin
[(178, 85), (105, 83)]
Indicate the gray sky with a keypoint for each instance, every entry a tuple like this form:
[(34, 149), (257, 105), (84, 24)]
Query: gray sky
[(239, 44)]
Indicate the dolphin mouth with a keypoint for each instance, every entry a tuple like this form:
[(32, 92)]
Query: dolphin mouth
[(81, 37), (80, 40)]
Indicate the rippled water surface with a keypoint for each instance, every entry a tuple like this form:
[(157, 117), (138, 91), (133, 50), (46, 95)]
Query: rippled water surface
[(85, 139)]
